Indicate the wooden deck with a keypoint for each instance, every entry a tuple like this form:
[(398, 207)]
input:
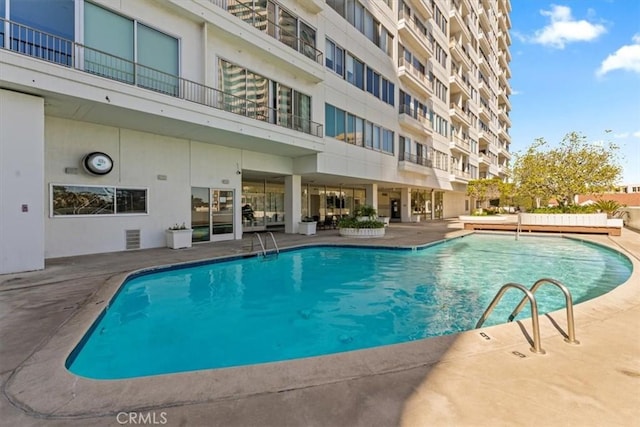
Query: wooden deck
[(611, 231)]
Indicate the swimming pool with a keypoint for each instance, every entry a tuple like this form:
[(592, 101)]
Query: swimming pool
[(328, 299)]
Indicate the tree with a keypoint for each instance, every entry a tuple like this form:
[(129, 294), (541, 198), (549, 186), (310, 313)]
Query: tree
[(574, 167), (484, 189)]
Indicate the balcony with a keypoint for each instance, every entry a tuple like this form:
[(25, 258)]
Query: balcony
[(503, 99), (258, 19), (408, 162), (460, 144), (413, 36), (456, 21), (458, 175), (410, 76), (313, 6), (411, 118), (45, 47), (459, 52), (459, 84), (424, 8), (503, 116), (458, 113), (484, 113)]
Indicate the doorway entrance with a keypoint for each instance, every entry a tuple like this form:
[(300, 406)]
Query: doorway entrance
[(212, 213), (395, 209)]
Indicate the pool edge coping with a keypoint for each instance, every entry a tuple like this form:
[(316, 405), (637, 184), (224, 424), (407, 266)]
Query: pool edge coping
[(77, 397)]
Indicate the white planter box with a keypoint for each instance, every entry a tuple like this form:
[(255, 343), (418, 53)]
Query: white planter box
[(592, 220), (307, 228), (178, 239), (483, 218), (362, 232)]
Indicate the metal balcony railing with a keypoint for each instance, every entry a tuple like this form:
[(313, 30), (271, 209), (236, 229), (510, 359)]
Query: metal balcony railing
[(417, 74), (258, 18), (413, 158), (37, 44), (412, 112)]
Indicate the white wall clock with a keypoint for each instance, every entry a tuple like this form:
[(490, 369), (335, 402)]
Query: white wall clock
[(97, 163)]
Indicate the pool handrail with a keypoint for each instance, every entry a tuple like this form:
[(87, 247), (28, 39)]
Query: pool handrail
[(571, 333), (262, 244), (534, 312)]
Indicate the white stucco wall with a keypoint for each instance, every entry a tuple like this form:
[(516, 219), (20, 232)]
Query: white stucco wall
[(454, 204), (139, 158), (21, 182)]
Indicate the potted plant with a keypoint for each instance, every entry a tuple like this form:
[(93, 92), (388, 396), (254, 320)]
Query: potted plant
[(178, 236), (307, 226)]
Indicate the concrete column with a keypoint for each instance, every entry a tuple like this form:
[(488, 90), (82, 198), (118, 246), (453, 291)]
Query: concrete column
[(371, 197), (292, 202), (405, 204), (22, 189), (433, 203)]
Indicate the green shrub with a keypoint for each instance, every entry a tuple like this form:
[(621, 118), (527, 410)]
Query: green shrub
[(365, 210), (352, 222), (573, 209)]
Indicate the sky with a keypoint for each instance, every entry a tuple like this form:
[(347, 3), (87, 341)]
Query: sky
[(575, 66)]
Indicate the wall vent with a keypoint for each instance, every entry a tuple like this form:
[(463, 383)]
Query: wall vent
[(132, 239)]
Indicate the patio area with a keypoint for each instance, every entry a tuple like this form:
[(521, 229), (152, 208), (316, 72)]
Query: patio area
[(480, 377)]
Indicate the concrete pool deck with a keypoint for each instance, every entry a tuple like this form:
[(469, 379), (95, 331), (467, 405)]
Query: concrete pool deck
[(482, 377)]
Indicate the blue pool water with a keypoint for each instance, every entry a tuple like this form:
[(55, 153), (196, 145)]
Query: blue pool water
[(324, 300)]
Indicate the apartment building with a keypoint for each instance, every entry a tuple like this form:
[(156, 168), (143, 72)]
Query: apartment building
[(122, 118)]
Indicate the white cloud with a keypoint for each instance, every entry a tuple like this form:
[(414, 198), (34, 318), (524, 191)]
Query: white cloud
[(637, 134), (622, 135), (564, 29), (625, 58), (515, 92)]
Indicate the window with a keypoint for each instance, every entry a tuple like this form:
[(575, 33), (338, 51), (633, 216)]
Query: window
[(373, 82), (308, 41), (329, 60), (334, 57), (387, 140), (388, 90), (56, 19), (368, 135), (113, 42), (69, 200), (158, 71), (376, 137), (351, 129), (358, 16), (359, 131), (355, 72), (249, 93)]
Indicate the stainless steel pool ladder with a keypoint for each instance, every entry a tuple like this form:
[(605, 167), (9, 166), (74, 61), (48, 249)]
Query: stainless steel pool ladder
[(262, 244), (529, 295)]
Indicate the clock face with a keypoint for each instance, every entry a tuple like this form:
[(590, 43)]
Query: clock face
[(98, 163)]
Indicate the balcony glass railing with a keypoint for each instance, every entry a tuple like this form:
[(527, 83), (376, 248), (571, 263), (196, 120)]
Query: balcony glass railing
[(40, 45)]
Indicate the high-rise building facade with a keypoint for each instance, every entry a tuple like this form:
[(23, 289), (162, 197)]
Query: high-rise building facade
[(122, 118)]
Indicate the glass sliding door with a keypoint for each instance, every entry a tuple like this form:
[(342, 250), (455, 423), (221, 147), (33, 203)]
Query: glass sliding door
[(221, 214), (200, 214), (284, 104), (253, 206)]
